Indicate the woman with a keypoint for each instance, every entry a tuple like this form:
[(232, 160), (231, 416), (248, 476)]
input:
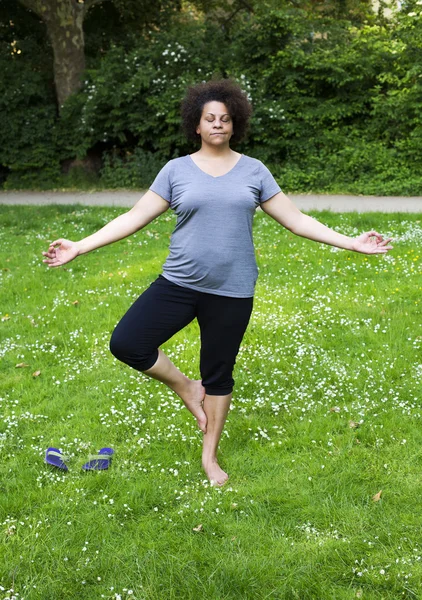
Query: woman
[(211, 271)]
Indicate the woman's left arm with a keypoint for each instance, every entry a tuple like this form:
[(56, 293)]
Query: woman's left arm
[(282, 210)]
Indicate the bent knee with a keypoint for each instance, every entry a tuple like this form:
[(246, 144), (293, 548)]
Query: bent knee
[(131, 352), (118, 346)]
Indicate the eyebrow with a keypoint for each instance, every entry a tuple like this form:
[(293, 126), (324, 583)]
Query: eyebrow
[(222, 115)]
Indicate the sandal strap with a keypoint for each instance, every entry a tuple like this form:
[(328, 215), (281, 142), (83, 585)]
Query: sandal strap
[(99, 457), (54, 453)]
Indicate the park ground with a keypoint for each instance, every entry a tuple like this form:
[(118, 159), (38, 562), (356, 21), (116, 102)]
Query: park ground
[(322, 444)]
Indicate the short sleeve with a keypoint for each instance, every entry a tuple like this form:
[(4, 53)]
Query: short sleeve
[(269, 186), (162, 184)]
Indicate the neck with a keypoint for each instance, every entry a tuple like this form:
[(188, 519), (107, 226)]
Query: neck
[(207, 151)]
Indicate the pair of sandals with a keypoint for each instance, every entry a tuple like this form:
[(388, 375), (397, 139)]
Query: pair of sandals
[(96, 462)]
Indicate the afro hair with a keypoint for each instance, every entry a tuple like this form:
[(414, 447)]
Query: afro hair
[(226, 91)]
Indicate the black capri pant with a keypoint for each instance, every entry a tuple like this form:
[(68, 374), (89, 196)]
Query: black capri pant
[(164, 309)]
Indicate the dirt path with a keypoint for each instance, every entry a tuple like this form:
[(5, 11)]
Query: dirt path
[(335, 203)]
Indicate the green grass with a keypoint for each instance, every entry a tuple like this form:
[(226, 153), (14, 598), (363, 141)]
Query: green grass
[(335, 338)]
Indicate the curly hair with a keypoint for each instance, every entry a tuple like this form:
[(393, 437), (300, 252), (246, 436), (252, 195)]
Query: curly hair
[(226, 91)]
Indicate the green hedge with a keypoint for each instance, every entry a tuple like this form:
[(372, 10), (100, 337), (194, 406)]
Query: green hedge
[(336, 105)]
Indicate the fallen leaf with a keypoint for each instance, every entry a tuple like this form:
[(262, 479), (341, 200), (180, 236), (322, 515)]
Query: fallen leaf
[(75, 302), (353, 424), (377, 497), (359, 594), (21, 365), (198, 527), (335, 409), (357, 441), (36, 373), (5, 318)]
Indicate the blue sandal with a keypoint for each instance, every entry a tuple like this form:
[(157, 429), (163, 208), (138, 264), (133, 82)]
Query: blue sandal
[(55, 458), (100, 461)]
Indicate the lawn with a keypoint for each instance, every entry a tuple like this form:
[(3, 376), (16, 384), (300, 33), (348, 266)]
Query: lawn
[(322, 444)]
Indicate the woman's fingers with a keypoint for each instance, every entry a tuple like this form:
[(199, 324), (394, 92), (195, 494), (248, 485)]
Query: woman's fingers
[(374, 243), (55, 253), (382, 249), (56, 243), (50, 253), (49, 259), (54, 262), (370, 234)]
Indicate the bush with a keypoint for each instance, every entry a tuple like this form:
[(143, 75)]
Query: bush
[(336, 103), (135, 169)]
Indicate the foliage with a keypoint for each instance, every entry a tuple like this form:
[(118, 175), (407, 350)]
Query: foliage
[(332, 90), (133, 97), (135, 169), (27, 106), (336, 100)]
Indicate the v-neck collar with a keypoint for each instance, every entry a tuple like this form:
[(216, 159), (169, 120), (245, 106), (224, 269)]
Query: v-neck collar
[(215, 176)]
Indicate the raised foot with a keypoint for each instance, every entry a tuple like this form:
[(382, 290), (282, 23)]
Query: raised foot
[(215, 474), (193, 399)]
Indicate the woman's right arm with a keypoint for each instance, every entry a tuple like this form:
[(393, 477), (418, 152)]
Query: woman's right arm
[(150, 206)]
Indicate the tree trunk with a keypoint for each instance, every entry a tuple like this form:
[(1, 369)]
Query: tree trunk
[(65, 30), (64, 21)]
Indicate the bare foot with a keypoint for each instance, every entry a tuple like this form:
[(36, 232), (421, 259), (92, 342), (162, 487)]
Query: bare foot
[(215, 474), (193, 399)]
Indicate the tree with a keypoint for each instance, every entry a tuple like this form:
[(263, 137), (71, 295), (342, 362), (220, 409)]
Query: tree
[(64, 20)]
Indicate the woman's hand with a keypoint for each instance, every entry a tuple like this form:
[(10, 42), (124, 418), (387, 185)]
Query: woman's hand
[(61, 252), (371, 242)]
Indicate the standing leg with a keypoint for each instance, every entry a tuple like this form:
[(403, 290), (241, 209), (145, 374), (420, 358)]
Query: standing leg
[(223, 322), (216, 409), (160, 312)]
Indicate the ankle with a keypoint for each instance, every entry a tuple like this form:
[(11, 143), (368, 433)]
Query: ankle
[(180, 386), (209, 459)]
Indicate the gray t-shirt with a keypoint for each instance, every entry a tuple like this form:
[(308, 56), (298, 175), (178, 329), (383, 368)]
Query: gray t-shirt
[(211, 248)]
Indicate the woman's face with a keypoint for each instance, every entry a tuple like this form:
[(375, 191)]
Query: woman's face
[(216, 125)]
